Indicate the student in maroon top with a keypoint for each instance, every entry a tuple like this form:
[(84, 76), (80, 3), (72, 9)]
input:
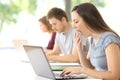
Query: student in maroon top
[(46, 27)]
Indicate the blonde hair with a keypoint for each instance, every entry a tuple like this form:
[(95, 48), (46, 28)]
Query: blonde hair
[(46, 22)]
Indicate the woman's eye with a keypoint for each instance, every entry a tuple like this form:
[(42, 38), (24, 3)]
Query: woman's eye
[(76, 22)]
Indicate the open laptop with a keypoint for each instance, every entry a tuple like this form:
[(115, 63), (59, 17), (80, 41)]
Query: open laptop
[(18, 45), (41, 65)]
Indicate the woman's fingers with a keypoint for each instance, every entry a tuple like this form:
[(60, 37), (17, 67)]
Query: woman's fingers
[(70, 71), (77, 36), (65, 73)]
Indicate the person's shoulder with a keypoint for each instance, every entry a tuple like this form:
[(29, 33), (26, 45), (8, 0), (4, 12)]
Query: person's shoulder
[(109, 34), (110, 37)]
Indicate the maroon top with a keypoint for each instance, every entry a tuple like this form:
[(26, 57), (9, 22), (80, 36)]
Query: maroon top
[(51, 41)]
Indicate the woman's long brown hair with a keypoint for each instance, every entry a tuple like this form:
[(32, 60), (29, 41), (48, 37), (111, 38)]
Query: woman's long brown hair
[(92, 18)]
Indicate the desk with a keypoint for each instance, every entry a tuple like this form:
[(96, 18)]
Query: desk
[(12, 68)]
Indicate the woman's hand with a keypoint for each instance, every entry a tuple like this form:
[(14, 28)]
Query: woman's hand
[(77, 40), (71, 70)]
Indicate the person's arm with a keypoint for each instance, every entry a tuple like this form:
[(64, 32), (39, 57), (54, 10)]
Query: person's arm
[(85, 60), (113, 61), (82, 57), (73, 57), (55, 51)]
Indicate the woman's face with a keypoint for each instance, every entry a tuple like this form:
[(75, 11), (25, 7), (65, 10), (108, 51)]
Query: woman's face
[(43, 27), (79, 24)]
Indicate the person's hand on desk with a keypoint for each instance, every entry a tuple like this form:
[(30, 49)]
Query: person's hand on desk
[(53, 57), (49, 56), (71, 70)]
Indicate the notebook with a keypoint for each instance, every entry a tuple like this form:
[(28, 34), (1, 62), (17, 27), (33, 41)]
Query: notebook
[(41, 65)]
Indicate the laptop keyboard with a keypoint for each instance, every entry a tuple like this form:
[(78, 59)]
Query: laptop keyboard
[(57, 76)]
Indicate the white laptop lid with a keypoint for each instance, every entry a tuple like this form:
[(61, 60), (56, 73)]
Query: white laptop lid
[(39, 62), (41, 65), (18, 45)]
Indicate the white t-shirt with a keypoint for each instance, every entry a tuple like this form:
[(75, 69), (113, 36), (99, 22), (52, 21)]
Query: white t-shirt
[(66, 42)]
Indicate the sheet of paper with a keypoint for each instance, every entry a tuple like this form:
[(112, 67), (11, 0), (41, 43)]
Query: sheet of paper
[(64, 64)]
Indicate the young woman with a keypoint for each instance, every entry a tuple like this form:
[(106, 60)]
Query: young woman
[(103, 58), (46, 27)]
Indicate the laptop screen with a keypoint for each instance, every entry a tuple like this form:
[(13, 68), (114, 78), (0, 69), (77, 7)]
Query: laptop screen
[(39, 62)]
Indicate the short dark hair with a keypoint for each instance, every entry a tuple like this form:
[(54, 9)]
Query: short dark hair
[(56, 13)]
